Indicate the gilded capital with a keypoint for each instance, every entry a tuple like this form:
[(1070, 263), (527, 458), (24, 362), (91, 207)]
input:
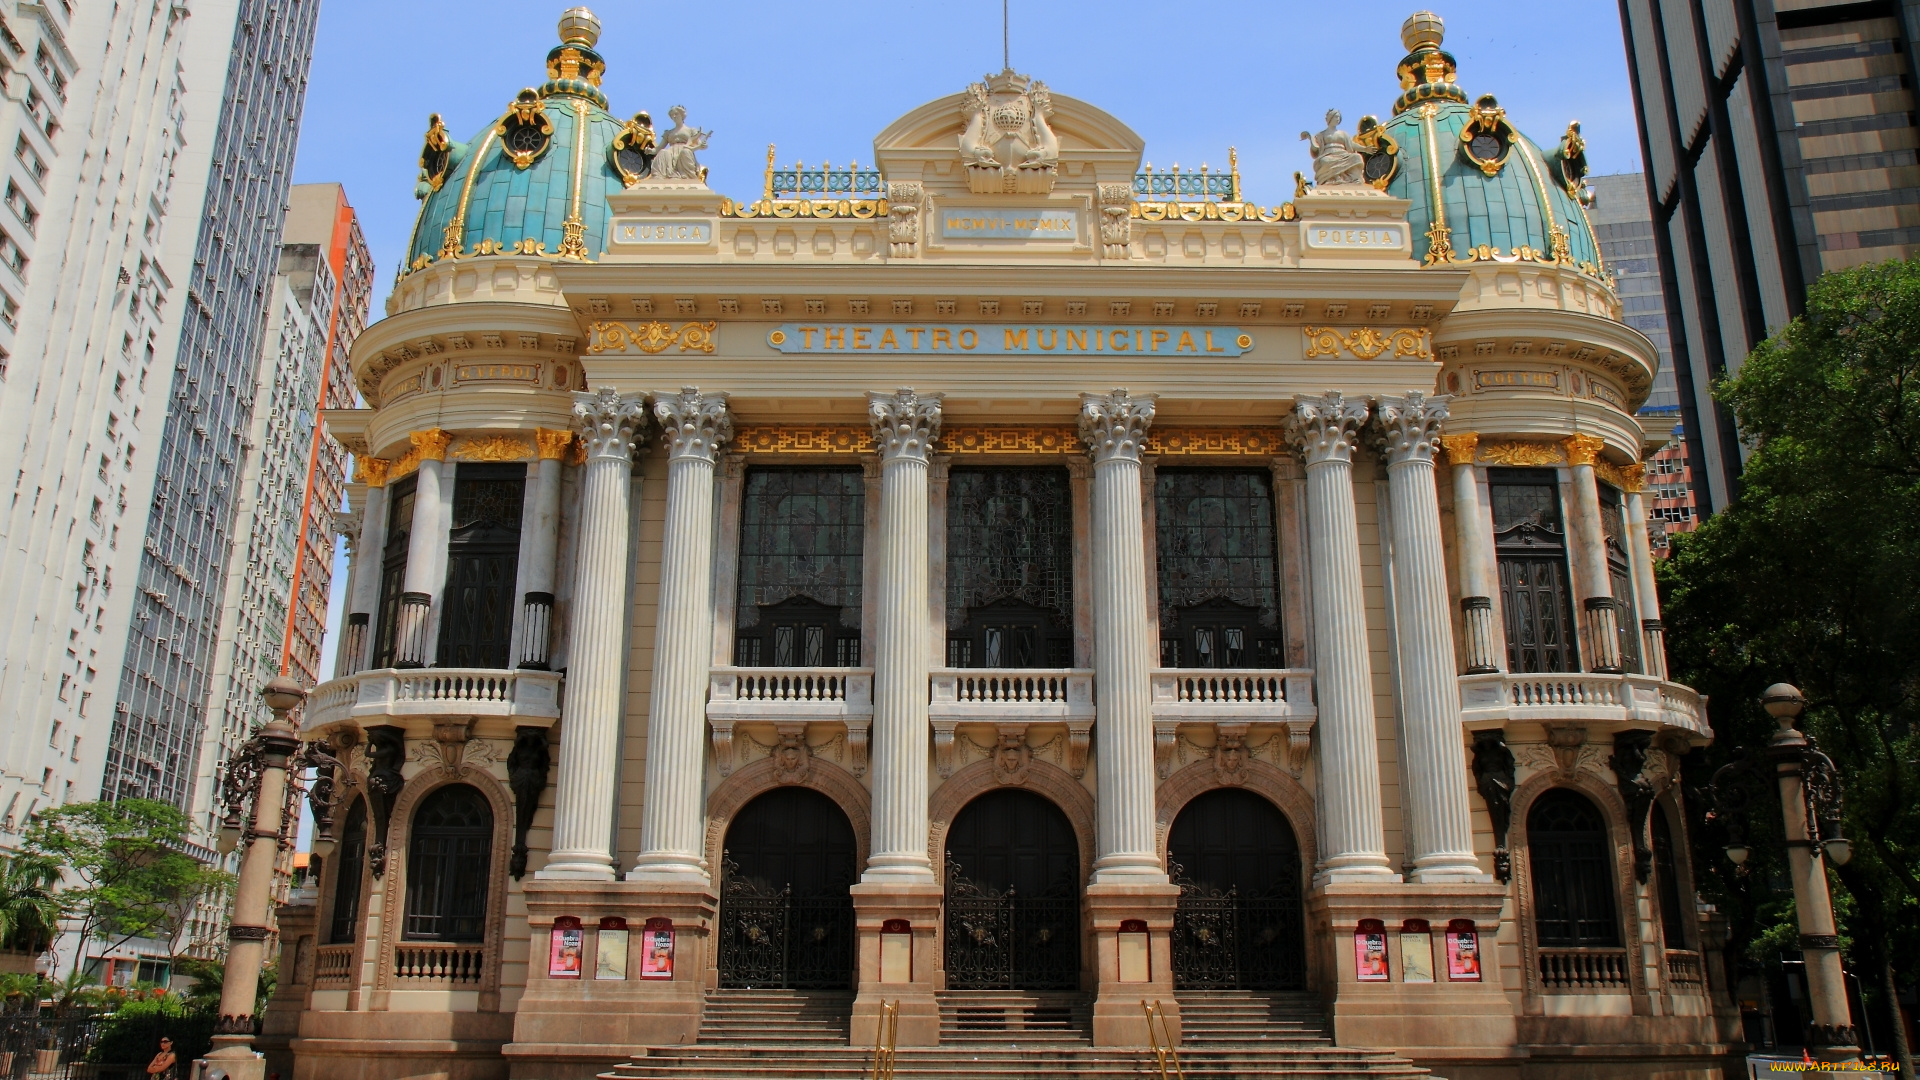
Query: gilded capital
[(1408, 427), (1635, 476), (552, 445), (610, 426), (905, 424), (1325, 428), (371, 471), (696, 425), (1114, 425), (431, 444), (1582, 449), (1460, 448)]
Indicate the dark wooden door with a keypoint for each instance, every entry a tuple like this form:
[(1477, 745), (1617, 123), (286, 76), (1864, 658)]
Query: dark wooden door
[(1239, 920), (1013, 895), (786, 915)]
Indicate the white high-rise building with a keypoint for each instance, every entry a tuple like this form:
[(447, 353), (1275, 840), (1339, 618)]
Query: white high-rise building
[(109, 148)]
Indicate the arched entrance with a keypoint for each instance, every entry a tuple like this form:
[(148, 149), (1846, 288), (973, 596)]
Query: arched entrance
[(786, 917), (1238, 923), (1013, 895)]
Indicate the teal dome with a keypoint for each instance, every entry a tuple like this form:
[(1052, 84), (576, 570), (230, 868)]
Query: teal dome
[(1498, 196), (533, 183)]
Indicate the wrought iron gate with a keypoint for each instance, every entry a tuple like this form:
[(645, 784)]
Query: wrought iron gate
[(1006, 941), (1225, 941), (774, 939)]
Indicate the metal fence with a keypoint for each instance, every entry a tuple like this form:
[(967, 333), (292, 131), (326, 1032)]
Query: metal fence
[(42, 1045)]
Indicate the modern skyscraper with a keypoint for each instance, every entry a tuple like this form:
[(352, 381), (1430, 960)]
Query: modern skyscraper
[(161, 714), (108, 152), (1623, 223), (1780, 138)]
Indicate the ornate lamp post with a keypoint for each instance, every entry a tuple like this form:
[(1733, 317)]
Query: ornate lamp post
[(263, 788), (1810, 803)]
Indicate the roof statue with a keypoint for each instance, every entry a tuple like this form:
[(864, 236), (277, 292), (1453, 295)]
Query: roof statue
[(1008, 144), (677, 159), (1335, 162)]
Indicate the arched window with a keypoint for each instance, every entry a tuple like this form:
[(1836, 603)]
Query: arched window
[(1673, 926), (449, 865), (350, 863), (1573, 904)]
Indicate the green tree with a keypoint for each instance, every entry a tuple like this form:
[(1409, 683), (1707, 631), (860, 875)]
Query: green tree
[(127, 873), (1813, 577), (29, 911)]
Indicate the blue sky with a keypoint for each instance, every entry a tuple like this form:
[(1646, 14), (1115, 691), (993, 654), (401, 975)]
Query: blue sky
[(821, 80)]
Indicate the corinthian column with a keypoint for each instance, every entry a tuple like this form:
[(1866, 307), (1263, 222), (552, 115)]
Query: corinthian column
[(364, 583), (1479, 575), (1439, 823), (1115, 427), (1323, 429), (905, 426), (1653, 643), (543, 546), (426, 549), (612, 428), (672, 825), (1590, 555)]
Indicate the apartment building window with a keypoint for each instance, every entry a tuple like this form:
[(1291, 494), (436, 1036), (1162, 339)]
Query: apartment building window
[(22, 208), (12, 255), (31, 159), (56, 81)]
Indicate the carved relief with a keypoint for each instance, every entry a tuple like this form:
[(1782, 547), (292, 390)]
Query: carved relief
[(1007, 145), (1116, 219), (1368, 343), (492, 448), (903, 218)]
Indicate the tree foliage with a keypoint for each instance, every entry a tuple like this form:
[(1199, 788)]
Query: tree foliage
[(1813, 577), (127, 871)]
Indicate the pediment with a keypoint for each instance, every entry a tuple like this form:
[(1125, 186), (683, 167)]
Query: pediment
[(925, 142)]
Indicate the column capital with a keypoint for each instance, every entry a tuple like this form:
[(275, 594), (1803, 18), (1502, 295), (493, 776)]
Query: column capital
[(1461, 448), (610, 425), (1324, 428), (1582, 449), (431, 444), (347, 523), (905, 424), (1114, 425), (552, 445), (371, 471), (695, 425), (1407, 427)]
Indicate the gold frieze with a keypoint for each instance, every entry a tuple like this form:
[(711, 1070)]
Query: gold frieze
[(492, 448), (652, 337), (1368, 343), (817, 439), (1216, 442)]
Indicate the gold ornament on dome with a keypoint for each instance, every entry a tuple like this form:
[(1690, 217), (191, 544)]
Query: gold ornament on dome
[(1487, 139), (652, 337), (1583, 449), (1379, 150), (1368, 343), (819, 439), (633, 150), (1520, 454), (525, 132), (492, 448), (436, 154)]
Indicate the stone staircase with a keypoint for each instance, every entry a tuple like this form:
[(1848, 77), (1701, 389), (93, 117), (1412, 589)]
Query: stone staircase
[(990, 1035)]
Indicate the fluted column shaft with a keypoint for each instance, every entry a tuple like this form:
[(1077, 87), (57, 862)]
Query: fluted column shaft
[(1439, 822), (426, 549), (1114, 427), (612, 427), (672, 822), (365, 581), (905, 426), (1590, 553), (1653, 638), (1324, 429), (544, 539), (1479, 574)]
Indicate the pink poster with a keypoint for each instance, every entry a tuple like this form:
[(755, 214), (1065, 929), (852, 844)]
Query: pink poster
[(656, 949), (563, 960), (1463, 951), (1370, 951)]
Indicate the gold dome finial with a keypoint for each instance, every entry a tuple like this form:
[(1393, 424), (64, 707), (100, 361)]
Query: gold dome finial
[(1422, 28), (579, 26)]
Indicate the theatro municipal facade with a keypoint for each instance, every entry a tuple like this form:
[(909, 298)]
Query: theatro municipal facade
[(1005, 602)]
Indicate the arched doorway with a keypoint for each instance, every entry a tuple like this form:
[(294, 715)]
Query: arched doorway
[(1568, 852), (786, 917), (1013, 895), (1238, 923)]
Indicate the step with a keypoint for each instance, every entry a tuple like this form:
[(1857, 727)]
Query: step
[(970, 1063)]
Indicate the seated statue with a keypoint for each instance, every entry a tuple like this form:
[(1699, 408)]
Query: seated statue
[(676, 159), (1335, 161)]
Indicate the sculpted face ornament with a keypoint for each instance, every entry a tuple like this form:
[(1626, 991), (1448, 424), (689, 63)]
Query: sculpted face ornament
[(1008, 145)]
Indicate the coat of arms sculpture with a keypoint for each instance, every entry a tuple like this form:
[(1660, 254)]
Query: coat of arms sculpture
[(1008, 145)]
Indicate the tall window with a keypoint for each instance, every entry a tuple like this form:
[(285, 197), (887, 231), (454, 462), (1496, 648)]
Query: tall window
[(801, 532), (1009, 568), (1219, 568), (1572, 883), (1613, 524), (350, 863), (483, 557), (393, 569), (1530, 544), (448, 866), (1666, 872)]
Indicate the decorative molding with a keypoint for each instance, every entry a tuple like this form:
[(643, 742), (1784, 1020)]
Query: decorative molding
[(820, 439), (551, 445), (1460, 448), (1522, 454), (1582, 449), (652, 337), (429, 445), (492, 448), (1368, 343), (985, 439), (1217, 442), (371, 471), (1631, 478)]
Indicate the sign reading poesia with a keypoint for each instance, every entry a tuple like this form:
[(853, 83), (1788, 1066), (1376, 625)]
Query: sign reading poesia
[(929, 340)]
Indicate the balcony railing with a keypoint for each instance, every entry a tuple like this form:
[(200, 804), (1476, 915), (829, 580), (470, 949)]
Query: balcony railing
[(333, 967), (1684, 968), (438, 964), (1564, 970), (1033, 695), (1582, 696), (1234, 701), (786, 697), (524, 696)]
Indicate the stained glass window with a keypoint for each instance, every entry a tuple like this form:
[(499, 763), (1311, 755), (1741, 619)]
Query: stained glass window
[(1009, 568), (1219, 568), (801, 532), (1530, 545)]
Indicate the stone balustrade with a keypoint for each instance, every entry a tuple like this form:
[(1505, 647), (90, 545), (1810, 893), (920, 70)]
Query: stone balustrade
[(1011, 700), (789, 697), (438, 964), (1577, 970), (333, 967), (395, 695), (1490, 700)]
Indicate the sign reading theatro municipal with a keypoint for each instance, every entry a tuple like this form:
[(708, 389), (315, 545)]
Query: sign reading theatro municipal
[(1005, 602)]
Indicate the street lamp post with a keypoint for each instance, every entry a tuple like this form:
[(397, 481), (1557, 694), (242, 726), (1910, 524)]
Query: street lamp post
[(263, 787), (1810, 804)]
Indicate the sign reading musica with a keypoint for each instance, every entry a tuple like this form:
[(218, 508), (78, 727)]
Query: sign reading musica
[(1009, 223), (661, 231), (1000, 340)]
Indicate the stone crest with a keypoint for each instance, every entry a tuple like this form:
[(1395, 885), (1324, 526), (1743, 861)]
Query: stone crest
[(1007, 145)]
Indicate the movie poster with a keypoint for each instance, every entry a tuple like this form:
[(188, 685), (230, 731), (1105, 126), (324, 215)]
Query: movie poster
[(1370, 951), (610, 959), (1416, 951), (656, 949), (563, 961), (1463, 951)]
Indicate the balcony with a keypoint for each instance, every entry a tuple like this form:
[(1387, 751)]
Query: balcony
[(1496, 699), (396, 695), (792, 700), (1574, 971), (1011, 700), (333, 967), (1235, 703)]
